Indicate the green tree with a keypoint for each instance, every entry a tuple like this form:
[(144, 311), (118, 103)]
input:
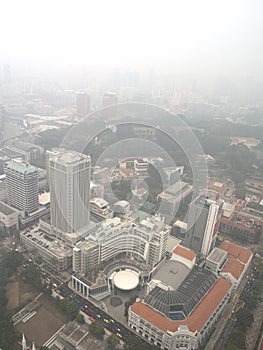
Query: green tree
[(69, 308), (244, 319), (231, 346), (80, 318), (136, 343), (238, 339), (113, 341), (97, 329), (240, 191), (121, 189), (11, 261)]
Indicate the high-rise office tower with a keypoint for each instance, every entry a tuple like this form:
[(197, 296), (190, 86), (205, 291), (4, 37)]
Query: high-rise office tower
[(201, 225), (82, 104), (50, 153), (69, 180), (21, 185)]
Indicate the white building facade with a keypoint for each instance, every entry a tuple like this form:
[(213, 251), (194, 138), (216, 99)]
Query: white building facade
[(69, 191), (145, 241)]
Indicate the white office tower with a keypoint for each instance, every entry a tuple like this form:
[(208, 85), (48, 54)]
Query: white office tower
[(202, 225), (69, 191), (21, 185), (50, 153)]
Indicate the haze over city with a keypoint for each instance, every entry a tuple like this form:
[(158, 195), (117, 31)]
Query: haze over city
[(195, 38), (131, 175)]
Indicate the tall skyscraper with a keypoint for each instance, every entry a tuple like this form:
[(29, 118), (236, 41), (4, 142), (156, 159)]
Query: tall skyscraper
[(202, 225), (69, 180), (50, 153), (82, 104), (21, 185)]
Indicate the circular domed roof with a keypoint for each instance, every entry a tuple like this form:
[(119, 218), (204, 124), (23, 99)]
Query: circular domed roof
[(126, 279)]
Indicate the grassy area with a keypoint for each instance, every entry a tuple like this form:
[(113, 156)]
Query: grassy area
[(50, 305), (18, 292)]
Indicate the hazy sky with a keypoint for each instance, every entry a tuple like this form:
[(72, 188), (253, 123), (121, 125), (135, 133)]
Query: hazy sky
[(222, 35)]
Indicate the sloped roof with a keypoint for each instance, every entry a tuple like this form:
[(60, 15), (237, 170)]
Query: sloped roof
[(178, 304), (184, 252), (236, 252), (196, 320)]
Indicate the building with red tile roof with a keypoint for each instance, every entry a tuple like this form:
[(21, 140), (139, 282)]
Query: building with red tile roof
[(184, 252), (236, 252), (233, 267), (189, 332), (242, 223), (247, 141), (238, 260), (184, 255)]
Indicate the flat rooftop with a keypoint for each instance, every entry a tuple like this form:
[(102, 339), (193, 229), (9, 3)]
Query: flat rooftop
[(21, 167), (5, 209), (40, 238), (70, 157), (172, 243), (75, 336), (44, 198), (217, 255), (172, 273)]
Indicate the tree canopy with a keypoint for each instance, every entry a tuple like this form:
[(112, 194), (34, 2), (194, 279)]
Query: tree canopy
[(96, 328)]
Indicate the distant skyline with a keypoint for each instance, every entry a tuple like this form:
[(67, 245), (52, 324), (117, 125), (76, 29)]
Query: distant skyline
[(189, 37)]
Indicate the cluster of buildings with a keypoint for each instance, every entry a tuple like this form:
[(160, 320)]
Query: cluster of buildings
[(184, 301), (186, 287), (236, 218)]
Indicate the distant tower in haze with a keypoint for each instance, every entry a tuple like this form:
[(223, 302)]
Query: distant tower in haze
[(6, 73), (69, 174), (82, 104), (21, 185), (110, 100), (202, 225)]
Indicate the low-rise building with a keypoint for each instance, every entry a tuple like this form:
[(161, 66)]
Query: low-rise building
[(54, 253), (216, 259), (8, 217), (122, 207), (100, 209), (98, 289), (28, 151), (250, 142), (184, 255), (72, 336), (243, 224), (182, 318), (238, 260)]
